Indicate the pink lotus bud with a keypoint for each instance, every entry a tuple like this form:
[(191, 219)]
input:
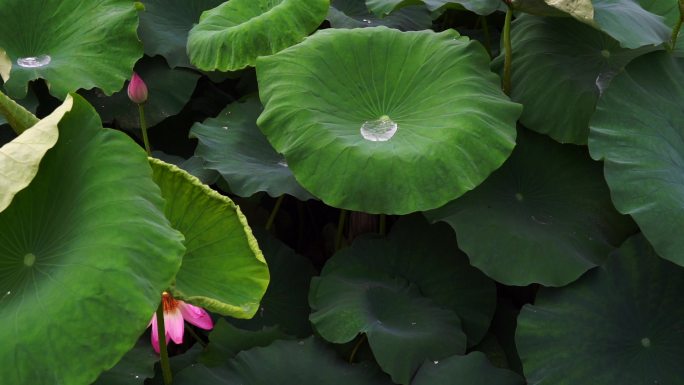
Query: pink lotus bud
[(137, 90)]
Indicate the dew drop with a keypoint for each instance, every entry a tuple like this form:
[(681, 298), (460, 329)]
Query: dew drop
[(380, 130), (646, 342), (605, 53), (283, 163), (34, 61), (435, 362), (413, 324), (367, 21), (225, 127), (301, 342), (29, 259)]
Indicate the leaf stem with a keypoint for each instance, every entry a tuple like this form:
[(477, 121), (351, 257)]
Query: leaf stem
[(487, 36), (274, 212), (356, 348), (163, 352), (143, 127), (16, 115), (340, 229), (677, 27), (194, 335), (508, 51), (383, 224)]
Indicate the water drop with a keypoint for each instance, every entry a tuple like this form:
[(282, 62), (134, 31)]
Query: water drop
[(225, 127), (603, 80), (367, 21), (542, 219), (435, 362), (413, 324), (29, 259), (646, 342), (380, 130), (301, 342), (34, 61), (283, 163)]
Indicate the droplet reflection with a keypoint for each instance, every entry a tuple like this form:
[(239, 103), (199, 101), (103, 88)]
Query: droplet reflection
[(380, 130), (34, 61)]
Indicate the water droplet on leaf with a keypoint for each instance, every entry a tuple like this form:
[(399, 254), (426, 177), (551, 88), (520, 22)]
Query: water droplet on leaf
[(34, 61), (380, 130)]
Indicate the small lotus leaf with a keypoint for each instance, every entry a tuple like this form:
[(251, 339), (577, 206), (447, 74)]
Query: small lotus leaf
[(481, 7), (544, 217), (620, 324), (85, 251), (72, 44), (355, 14), (223, 269), (165, 24), (473, 368), (226, 341), (304, 362), (636, 131), (406, 292), (232, 144), (361, 116), (285, 303), (231, 36)]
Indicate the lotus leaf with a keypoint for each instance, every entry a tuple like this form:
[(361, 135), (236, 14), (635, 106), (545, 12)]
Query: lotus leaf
[(619, 324), (361, 116), (72, 44), (223, 269), (79, 249), (231, 36)]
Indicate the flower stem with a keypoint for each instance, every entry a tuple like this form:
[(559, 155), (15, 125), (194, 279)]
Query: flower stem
[(143, 127), (274, 212), (508, 51), (340, 229), (356, 348), (165, 366)]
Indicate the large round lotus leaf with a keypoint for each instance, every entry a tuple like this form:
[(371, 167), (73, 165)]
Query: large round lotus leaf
[(472, 369), (560, 62), (304, 362), (223, 269), (620, 324), (481, 7), (232, 144), (383, 121), (404, 292), (20, 158), (285, 303), (85, 251), (169, 90), (637, 132), (544, 217), (72, 44), (354, 14), (165, 24), (231, 36)]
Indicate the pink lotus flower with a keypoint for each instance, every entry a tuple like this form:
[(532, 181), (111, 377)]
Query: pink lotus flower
[(137, 90), (175, 312)]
